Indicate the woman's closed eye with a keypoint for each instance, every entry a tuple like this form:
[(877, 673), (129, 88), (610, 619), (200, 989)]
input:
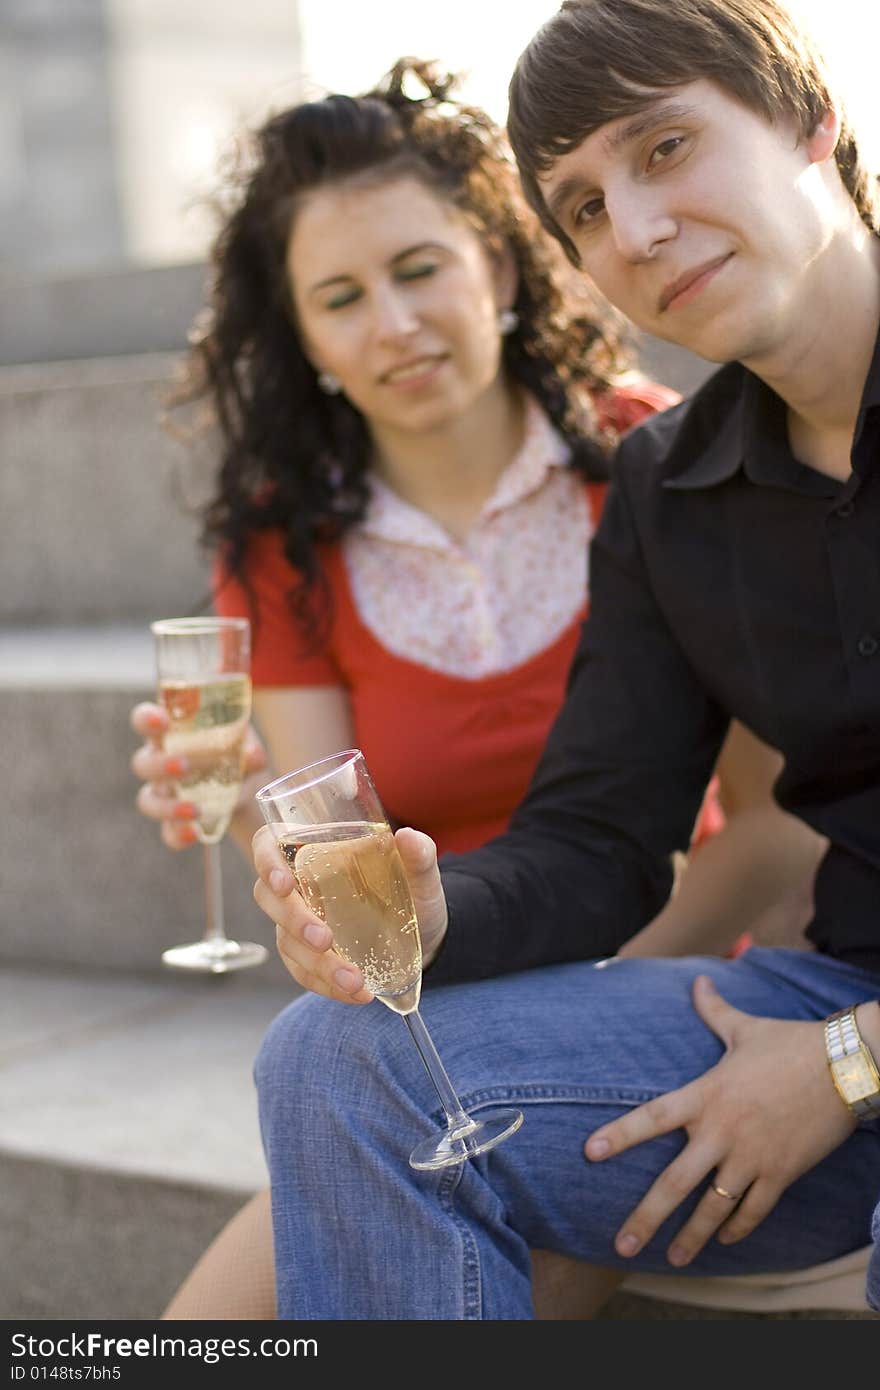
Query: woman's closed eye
[(350, 294), (416, 270), (342, 297)]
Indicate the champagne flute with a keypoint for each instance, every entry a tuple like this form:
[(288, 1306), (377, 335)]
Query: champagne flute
[(329, 823), (203, 668)]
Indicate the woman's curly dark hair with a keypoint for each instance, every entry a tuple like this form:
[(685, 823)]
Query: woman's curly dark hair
[(295, 458)]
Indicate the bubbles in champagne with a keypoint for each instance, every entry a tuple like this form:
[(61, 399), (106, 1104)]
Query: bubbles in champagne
[(352, 877)]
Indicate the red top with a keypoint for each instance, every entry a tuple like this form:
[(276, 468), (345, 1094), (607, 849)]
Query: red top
[(450, 755)]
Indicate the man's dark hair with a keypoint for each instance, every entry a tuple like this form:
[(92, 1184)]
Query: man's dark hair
[(598, 60)]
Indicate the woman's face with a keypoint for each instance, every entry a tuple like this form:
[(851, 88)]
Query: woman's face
[(397, 296)]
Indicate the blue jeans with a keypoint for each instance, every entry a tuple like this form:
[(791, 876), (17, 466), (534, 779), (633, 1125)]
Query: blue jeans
[(344, 1098)]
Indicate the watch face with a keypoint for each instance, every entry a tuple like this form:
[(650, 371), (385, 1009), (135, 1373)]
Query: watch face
[(855, 1077)]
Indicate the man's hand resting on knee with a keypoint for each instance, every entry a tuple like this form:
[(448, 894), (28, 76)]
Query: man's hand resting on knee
[(757, 1120)]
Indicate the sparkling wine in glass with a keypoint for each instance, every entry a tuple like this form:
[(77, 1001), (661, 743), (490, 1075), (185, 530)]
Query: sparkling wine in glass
[(203, 670), (329, 823)]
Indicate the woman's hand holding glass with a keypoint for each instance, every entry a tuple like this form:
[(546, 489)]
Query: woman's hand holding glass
[(157, 770)]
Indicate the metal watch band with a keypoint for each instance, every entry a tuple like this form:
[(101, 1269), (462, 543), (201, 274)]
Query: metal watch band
[(842, 1040)]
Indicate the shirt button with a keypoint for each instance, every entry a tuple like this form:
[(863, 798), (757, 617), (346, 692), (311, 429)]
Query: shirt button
[(845, 509), (867, 645)]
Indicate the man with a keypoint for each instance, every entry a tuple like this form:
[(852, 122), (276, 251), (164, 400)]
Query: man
[(690, 156)]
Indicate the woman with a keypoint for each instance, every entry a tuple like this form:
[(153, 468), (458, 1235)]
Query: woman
[(416, 400)]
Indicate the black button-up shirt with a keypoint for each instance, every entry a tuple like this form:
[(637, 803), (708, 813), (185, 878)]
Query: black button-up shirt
[(727, 580)]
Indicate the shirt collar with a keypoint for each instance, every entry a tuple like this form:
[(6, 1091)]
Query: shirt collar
[(388, 517), (752, 435), (715, 414)]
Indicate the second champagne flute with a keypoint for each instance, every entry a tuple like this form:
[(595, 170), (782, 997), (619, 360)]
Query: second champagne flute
[(203, 668), (329, 823)]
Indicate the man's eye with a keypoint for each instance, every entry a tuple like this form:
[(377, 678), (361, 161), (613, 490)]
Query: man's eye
[(664, 149), (589, 211)]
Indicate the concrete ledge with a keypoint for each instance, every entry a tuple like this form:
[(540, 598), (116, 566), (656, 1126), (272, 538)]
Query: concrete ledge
[(116, 657), (128, 1134), (82, 1244), (86, 880), (150, 1078), (97, 498), (108, 313)]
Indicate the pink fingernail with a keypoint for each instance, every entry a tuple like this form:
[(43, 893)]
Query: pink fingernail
[(627, 1245), (279, 882), (316, 935), (678, 1256), (598, 1148), (347, 980)]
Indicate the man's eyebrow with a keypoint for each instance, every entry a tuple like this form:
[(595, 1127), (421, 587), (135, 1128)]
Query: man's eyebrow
[(657, 113), (558, 200)]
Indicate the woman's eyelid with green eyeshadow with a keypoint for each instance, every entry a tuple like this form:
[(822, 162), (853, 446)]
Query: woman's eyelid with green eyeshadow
[(343, 297), (417, 269), (410, 270)]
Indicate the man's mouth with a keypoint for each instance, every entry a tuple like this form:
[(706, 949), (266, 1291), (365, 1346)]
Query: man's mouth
[(689, 285)]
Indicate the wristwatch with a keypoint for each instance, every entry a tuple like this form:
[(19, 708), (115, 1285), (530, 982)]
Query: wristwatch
[(853, 1069)]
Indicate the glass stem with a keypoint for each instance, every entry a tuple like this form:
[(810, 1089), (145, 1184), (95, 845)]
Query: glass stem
[(457, 1117), (214, 927)]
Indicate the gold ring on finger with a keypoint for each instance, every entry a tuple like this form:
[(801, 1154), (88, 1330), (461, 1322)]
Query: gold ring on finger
[(723, 1192)]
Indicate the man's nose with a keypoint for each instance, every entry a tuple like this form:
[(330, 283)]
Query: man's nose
[(640, 224)]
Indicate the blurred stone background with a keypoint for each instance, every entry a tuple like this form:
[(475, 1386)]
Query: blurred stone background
[(127, 1123)]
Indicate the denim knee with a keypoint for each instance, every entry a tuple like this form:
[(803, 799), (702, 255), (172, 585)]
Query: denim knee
[(323, 1059)]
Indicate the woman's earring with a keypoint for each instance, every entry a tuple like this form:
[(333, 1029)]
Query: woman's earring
[(329, 384), (508, 322)]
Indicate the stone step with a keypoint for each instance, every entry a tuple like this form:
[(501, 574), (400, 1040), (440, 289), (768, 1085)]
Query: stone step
[(91, 495), (114, 656), (128, 1133), (150, 1077), (106, 313), (100, 502)]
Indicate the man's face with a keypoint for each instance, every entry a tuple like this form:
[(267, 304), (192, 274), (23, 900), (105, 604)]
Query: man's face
[(699, 220)]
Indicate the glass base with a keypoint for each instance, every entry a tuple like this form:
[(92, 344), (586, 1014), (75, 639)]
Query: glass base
[(457, 1145), (215, 957)]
